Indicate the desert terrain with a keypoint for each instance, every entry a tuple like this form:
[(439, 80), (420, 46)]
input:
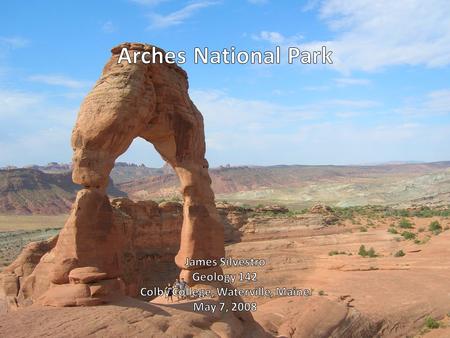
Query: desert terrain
[(370, 260), (49, 190), (395, 286)]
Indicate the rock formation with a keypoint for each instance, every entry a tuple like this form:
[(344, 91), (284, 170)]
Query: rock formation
[(129, 100), (149, 239)]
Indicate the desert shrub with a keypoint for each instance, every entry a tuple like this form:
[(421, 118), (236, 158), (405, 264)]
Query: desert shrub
[(403, 213), (431, 323), (366, 253), (321, 293), (392, 231), (405, 224), (417, 241), (362, 251), (421, 229), (335, 252), (399, 253), (424, 212), (408, 235), (344, 213), (435, 226), (371, 253), (363, 229)]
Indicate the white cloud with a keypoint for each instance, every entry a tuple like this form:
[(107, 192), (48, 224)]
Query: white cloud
[(342, 142), (222, 111), (436, 103), (374, 34), (272, 37), (108, 27), (371, 35), (351, 103), (316, 88), (37, 147), (242, 131), (14, 41), (59, 80), (276, 38), (33, 128), (179, 16), (13, 103), (310, 5), (348, 81)]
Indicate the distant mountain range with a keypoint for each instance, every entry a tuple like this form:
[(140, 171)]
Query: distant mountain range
[(49, 189), (31, 191), (122, 171)]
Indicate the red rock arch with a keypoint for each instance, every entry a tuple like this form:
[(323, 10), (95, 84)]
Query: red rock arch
[(128, 101)]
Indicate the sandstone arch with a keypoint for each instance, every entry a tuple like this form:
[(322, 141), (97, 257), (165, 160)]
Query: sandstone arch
[(128, 101), (150, 101)]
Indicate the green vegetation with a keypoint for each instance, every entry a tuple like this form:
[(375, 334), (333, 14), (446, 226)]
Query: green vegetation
[(368, 211), (392, 230), (405, 224), (335, 252), (408, 235), (423, 212), (435, 227), (293, 213), (399, 253), (421, 229), (363, 229), (367, 253), (431, 323), (321, 293)]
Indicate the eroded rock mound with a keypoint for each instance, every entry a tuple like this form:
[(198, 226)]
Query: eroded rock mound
[(149, 237), (146, 233)]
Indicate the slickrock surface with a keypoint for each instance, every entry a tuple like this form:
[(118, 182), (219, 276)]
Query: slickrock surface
[(384, 296), (124, 317)]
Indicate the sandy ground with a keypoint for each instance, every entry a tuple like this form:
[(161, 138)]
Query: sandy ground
[(389, 295), (396, 293), (34, 222), (16, 231)]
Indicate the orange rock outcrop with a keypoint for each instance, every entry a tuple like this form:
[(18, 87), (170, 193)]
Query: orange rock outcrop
[(129, 100)]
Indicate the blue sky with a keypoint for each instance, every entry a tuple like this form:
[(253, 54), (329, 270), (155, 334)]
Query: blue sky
[(385, 98)]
